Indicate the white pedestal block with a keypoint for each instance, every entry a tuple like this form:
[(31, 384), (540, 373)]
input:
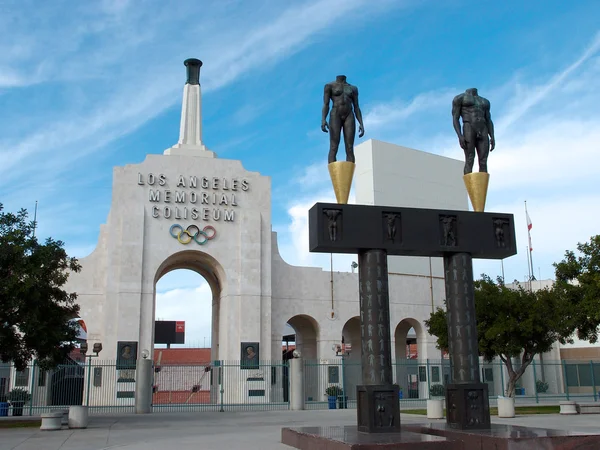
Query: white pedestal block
[(435, 408), (65, 415), (51, 421), (568, 407), (143, 386), (589, 408), (296, 384), (506, 407), (78, 417)]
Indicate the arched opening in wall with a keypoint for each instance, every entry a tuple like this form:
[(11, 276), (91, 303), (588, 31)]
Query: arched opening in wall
[(408, 370), (351, 368), (186, 329), (305, 338)]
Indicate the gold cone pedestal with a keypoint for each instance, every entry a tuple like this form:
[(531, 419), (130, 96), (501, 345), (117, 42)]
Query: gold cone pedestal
[(341, 173), (477, 186)]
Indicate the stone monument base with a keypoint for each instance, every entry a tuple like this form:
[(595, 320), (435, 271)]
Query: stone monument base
[(510, 437), (349, 438), (468, 406), (378, 408), (439, 436)]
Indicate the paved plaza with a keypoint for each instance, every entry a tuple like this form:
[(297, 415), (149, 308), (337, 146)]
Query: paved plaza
[(220, 431)]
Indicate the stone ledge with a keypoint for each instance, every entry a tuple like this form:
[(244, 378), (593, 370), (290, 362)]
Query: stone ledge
[(588, 408), (349, 438), (511, 437)]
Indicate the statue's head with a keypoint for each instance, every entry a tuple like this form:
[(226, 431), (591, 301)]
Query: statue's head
[(472, 91), (341, 78)]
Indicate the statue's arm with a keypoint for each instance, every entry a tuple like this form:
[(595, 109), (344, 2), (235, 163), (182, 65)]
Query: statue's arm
[(358, 113), (456, 107), (488, 119), (326, 100)]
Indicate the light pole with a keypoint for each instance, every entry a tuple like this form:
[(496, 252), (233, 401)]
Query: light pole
[(83, 348)]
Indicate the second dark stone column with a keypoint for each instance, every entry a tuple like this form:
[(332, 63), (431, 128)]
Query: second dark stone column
[(467, 403), (377, 398)]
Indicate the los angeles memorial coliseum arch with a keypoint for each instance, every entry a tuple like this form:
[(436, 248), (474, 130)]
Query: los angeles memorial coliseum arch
[(187, 208)]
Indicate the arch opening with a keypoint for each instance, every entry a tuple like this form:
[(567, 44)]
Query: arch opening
[(185, 318), (351, 346), (305, 338), (408, 337)]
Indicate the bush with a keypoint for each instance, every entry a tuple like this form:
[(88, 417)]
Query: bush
[(334, 391), (18, 395), (541, 386), (437, 390)]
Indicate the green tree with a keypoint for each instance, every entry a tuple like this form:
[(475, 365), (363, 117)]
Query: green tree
[(578, 280), (34, 310), (511, 323)]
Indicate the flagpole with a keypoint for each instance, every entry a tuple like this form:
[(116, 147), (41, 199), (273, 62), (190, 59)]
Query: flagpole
[(529, 226), (35, 218), (529, 272), (502, 265)]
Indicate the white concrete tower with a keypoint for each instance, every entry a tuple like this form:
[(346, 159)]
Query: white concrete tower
[(190, 129)]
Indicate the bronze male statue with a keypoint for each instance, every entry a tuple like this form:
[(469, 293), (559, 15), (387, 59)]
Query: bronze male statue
[(478, 129), (345, 105)]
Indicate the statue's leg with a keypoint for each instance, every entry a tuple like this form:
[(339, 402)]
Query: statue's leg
[(335, 130), (483, 150), (349, 133), (470, 150)]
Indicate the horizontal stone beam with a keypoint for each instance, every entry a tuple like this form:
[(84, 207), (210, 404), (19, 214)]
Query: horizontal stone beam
[(335, 228)]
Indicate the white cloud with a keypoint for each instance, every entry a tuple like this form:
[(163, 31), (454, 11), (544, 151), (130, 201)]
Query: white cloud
[(531, 97), (383, 115)]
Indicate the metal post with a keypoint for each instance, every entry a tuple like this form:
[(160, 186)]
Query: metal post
[(221, 385), (565, 379), (502, 378), (593, 380), (428, 380), (32, 384), (89, 380), (537, 399), (344, 394)]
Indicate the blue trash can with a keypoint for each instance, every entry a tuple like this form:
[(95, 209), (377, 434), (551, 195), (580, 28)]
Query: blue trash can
[(331, 399), (3, 409)]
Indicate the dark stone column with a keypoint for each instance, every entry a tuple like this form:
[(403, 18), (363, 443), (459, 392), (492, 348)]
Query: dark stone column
[(462, 325), (467, 401), (377, 397)]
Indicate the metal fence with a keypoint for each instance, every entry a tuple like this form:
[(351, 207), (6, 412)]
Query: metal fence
[(105, 387), (543, 382), (231, 386)]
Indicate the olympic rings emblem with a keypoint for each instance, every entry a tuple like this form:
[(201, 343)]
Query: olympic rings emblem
[(193, 233)]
